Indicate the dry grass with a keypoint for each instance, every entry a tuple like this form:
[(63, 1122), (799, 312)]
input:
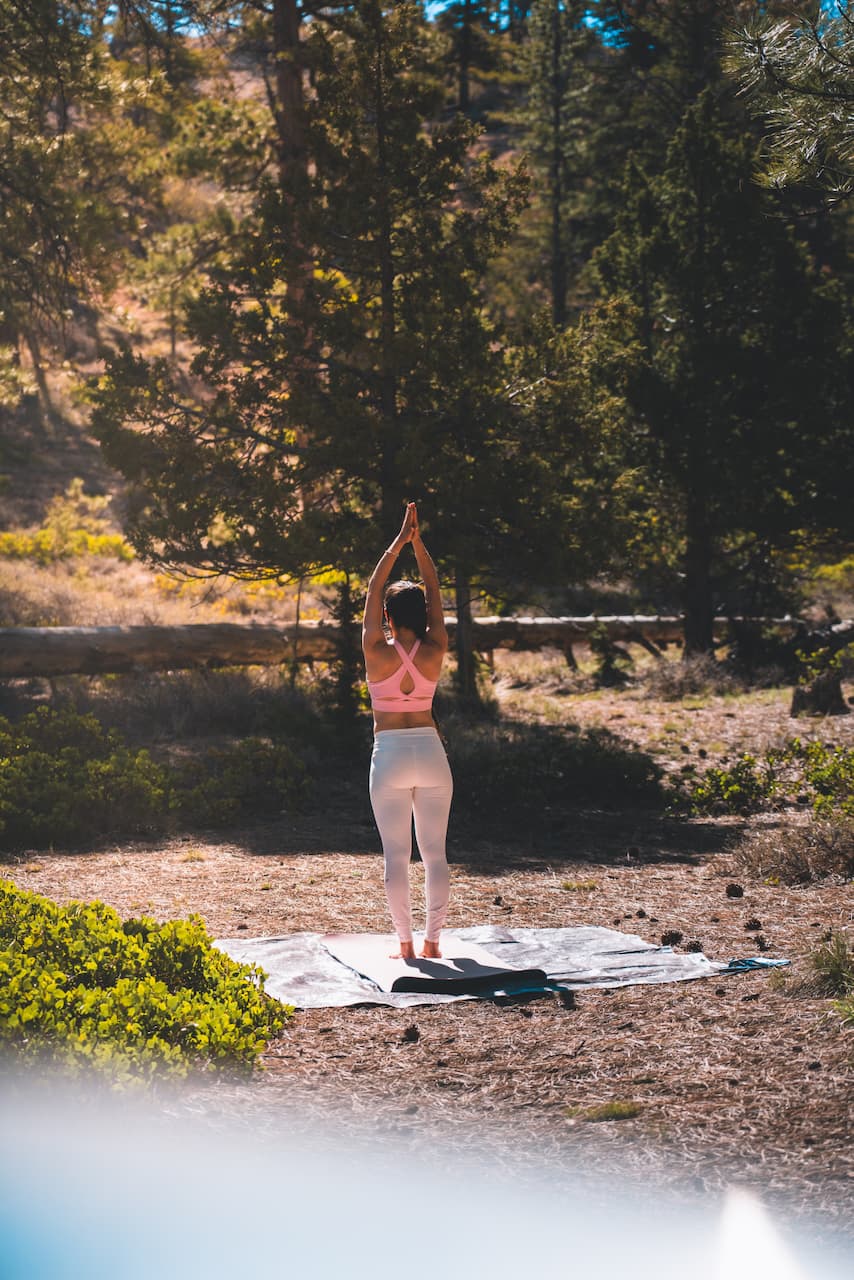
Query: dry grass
[(99, 592), (798, 853)]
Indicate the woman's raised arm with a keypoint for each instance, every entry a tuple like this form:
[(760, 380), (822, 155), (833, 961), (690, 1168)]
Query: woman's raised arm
[(372, 624), (427, 569)]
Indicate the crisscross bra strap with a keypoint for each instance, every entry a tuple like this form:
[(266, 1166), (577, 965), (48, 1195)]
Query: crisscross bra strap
[(407, 659)]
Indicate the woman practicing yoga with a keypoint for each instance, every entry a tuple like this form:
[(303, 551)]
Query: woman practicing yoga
[(410, 776)]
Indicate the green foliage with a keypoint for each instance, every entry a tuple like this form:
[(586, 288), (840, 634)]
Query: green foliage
[(826, 771), (810, 772), (740, 788), (81, 989), (741, 339), (800, 74), (250, 777), (74, 526), (824, 661), (64, 778)]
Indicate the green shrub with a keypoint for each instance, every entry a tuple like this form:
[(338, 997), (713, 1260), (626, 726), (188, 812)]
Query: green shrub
[(249, 777), (45, 546), (828, 772), (75, 525), (82, 989), (62, 777), (742, 788), (807, 772)]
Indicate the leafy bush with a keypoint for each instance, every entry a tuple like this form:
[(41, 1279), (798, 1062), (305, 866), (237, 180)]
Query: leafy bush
[(80, 988), (249, 777), (45, 546), (742, 788), (63, 777), (517, 773), (827, 771), (74, 526), (814, 773), (801, 854)]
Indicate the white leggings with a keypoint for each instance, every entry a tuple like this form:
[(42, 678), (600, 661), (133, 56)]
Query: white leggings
[(410, 777)]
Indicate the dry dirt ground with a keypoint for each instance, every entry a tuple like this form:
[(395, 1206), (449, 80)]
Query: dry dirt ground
[(734, 1080)]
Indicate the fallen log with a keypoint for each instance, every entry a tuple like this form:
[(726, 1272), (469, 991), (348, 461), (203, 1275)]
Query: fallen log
[(57, 651)]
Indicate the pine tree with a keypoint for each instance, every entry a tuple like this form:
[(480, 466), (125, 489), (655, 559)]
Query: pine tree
[(740, 395), (800, 75), (343, 356)]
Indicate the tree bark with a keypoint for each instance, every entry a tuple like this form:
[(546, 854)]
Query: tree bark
[(465, 57), (822, 697), (558, 251), (56, 651), (464, 639), (699, 604), (390, 498), (290, 118)]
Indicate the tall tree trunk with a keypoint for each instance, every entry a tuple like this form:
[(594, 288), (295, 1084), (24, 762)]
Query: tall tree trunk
[(347, 667), (464, 642), (558, 249), (465, 56), (698, 598), (390, 497), (290, 103)]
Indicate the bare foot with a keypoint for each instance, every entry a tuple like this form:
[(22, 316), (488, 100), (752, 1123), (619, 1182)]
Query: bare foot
[(430, 950), (406, 952)]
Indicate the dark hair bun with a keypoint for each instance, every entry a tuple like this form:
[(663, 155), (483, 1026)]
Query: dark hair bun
[(406, 607)]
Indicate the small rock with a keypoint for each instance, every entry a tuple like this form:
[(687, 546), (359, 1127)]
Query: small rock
[(754, 995), (813, 1066), (617, 920), (694, 945), (526, 1013), (243, 926), (762, 942), (640, 913), (411, 1035), (702, 753), (720, 991), (671, 938), (684, 747), (497, 900), (653, 919), (734, 891), (567, 999), (715, 919), (752, 924)]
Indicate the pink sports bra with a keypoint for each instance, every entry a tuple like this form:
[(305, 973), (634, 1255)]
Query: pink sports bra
[(387, 695)]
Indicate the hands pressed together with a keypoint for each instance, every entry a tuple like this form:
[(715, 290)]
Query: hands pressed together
[(409, 530)]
